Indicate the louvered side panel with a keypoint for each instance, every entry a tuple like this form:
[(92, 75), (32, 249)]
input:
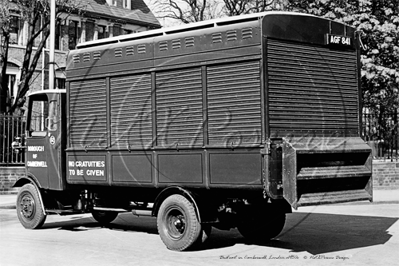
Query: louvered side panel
[(312, 90), (131, 122), (179, 108), (87, 113), (234, 104)]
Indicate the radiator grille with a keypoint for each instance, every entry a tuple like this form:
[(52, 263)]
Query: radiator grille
[(131, 123), (88, 113), (234, 104), (179, 108), (312, 90)]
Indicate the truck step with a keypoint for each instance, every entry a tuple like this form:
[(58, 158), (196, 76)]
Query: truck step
[(307, 173), (110, 209), (333, 197)]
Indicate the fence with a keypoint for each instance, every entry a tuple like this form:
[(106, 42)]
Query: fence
[(11, 127), (382, 134)]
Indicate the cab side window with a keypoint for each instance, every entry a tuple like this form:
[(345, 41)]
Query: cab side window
[(37, 120)]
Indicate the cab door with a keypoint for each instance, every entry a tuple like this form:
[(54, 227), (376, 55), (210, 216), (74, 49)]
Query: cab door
[(44, 151)]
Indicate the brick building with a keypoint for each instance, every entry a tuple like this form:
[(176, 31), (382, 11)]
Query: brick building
[(101, 19)]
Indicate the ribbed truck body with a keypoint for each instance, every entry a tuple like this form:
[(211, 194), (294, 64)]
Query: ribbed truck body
[(267, 103)]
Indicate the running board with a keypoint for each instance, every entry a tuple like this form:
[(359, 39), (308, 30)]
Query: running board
[(137, 212)]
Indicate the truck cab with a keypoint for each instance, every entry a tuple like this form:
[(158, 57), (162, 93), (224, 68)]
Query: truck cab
[(45, 143), (44, 147)]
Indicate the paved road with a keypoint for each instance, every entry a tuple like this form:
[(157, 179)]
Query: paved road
[(366, 234)]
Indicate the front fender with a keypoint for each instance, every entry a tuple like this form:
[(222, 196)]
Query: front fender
[(31, 180), (28, 178)]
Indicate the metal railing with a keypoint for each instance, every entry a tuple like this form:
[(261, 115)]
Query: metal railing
[(382, 134), (10, 128)]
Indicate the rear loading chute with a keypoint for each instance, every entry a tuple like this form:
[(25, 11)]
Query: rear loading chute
[(326, 170)]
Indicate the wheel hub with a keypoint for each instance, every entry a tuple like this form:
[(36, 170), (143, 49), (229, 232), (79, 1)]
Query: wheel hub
[(27, 206), (179, 224)]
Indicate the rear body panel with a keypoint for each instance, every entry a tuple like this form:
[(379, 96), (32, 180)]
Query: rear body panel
[(313, 103)]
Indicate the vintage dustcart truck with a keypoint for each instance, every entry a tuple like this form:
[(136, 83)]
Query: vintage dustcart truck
[(225, 123)]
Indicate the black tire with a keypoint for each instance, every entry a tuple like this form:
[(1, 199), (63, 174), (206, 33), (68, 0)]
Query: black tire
[(177, 223), (104, 217), (206, 230), (262, 228), (29, 207)]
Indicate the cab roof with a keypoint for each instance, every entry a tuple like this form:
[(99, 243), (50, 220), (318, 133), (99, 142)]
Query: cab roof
[(186, 27), (47, 92)]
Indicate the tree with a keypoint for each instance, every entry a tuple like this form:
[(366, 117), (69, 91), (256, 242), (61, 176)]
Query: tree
[(36, 15), (377, 23), (186, 11), (239, 7), (4, 42)]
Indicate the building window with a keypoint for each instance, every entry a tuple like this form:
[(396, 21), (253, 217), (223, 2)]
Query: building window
[(60, 78), (73, 32), (14, 30), (60, 83), (89, 30), (120, 3), (58, 38), (11, 83), (102, 33), (117, 30)]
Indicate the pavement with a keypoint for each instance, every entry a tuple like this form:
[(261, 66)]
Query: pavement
[(380, 196)]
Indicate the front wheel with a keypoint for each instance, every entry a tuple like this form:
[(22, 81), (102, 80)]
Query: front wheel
[(29, 207), (178, 225)]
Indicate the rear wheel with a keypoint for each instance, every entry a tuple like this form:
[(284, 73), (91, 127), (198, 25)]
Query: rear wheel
[(29, 207), (262, 227), (104, 217), (206, 230), (178, 225)]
